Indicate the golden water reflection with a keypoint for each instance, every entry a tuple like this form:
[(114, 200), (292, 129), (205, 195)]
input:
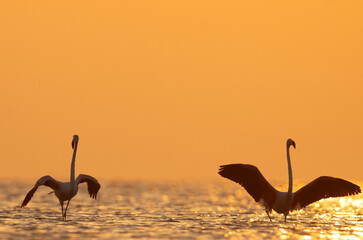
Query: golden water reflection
[(177, 210), (333, 218)]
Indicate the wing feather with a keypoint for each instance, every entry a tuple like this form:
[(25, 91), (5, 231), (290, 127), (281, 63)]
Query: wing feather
[(323, 187), (46, 181), (249, 177), (92, 184)]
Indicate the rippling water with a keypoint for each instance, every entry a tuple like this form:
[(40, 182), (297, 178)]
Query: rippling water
[(173, 210)]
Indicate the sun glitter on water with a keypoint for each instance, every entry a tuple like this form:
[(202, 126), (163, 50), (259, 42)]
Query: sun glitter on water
[(194, 210)]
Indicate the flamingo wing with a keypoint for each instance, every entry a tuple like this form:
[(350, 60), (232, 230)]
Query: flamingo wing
[(252, 180), (92, 184), (323, 187), (46, 181)]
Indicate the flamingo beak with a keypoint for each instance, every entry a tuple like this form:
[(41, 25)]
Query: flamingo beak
[(293, 144), (74, 141)]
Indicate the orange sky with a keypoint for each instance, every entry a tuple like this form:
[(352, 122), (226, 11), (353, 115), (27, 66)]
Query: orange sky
[(173, 89)]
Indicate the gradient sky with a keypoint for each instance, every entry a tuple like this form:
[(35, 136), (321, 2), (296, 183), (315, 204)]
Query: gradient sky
[(173, 89)]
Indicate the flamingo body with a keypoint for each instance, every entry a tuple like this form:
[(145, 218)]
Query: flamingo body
[(65, 191), (284, 202)]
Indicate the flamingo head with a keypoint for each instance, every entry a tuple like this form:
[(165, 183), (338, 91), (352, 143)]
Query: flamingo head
[(75, 141), (290, 142)]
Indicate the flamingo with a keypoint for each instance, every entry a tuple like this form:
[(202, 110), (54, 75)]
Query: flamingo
[(284, 202), (66, 190)]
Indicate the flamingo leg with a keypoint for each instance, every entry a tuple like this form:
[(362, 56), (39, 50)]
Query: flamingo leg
[(285, 218), (268, 216), (65, 212), (61, 203)]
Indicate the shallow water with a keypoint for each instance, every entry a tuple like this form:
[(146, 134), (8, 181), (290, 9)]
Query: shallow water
[(173, 210)]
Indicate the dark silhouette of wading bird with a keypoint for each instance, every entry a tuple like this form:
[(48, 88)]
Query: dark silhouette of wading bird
[(284, 202), (66, 191)]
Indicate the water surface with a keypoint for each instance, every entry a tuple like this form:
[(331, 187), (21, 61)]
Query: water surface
[(171, 210)]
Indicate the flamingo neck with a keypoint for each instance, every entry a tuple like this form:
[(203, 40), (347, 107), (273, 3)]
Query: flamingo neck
[(289, 191), (72, 180)]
